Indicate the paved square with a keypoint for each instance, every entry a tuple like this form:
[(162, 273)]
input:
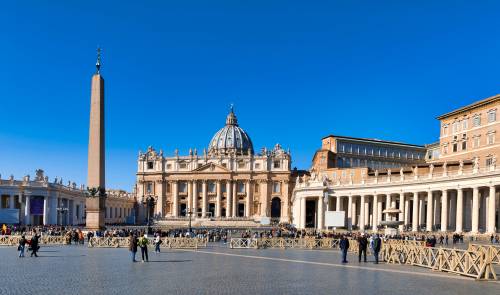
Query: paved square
[(218, 270)]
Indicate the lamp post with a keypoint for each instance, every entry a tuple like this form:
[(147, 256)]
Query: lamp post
[(189, 213), (149, 201)]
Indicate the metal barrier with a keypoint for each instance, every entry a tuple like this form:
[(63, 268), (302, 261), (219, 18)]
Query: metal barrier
[(171, 243), (475, 264), (492, 250), (44, 240), (240, 243)]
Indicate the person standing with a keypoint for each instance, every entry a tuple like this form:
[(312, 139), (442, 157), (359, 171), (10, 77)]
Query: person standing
[(157, 243), (22, 244), (132, 246), (143, 243), (377, 243), (34, 245), (344, 246), (362, 245)]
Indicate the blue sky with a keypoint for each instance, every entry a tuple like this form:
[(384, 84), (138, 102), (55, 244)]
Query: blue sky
[(296, 71)]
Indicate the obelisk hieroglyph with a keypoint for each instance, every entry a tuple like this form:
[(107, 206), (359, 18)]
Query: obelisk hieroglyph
[(96, 156)]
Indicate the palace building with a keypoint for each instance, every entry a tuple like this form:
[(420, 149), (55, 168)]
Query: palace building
[(449, 186), (228, 181)]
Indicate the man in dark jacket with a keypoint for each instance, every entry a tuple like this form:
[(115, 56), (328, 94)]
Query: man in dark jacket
[(362, 244), (34, 245), (132, 246), (377, 244), (344, 246)]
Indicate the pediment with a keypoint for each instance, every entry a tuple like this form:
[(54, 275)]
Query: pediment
[(212, 168)]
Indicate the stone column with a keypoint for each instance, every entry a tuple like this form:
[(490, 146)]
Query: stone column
[(27, 213), (189, 197), (235, 199), (195, 198), (302, 221), (407, 212), (414, 222), (444, 210), (379, 212), (46, 210), (475, 210), (387, 205), (375, 214), (204, 199), (367, 211), (321, 213), (229, 196), (362, 220), (247, 199), (218, 204), (402, 209), (160, 202), (428, 222), (349, 213), (264, 194), (284, 198), (393, 205), (491, 210), (11, 202), (354, 212), (175, 209), (460, 211), (339, 204)]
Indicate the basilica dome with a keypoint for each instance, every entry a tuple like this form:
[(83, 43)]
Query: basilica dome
[(231, 139)]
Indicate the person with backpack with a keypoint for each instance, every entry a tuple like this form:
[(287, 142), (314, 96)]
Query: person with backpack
[(143, 243), (34, 245), (132, 246)]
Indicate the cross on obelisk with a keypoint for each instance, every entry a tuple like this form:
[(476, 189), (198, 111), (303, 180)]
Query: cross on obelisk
[(96, 156)]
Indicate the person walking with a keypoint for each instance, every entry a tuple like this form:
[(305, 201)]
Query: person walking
[(34, 245), (143, 243), (344, 246), (362, 245), (157, 243), (377, 243), (132, 246), (22, 244)]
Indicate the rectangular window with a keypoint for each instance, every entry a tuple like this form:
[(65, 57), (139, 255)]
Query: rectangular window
[(276, 164), (490, 138), (241, 187), (211, 187), (182, 187), (276, 187), (489, 162), (182, 165), (241, 164), (492, 116), (149, 187), (257, 166), (476, 141), (464, 145), (445, 130), (150, 165), (464, 124), (169, 166), (455, 147), (476, 121), (256, 188)]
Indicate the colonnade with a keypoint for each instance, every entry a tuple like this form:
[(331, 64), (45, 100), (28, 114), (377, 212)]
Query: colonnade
[(471, 209)]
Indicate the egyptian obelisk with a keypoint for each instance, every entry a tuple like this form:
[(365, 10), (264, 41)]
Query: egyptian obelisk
[(96, 156)]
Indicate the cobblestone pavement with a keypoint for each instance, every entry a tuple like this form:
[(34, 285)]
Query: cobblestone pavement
[(218, 270)]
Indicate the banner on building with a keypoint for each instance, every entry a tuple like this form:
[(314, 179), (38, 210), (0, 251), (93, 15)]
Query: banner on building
[(36, 206)]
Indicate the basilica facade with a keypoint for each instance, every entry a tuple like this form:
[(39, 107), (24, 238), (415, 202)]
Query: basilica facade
[(227, 181)]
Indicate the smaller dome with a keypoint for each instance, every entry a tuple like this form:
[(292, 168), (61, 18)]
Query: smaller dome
[(231, 139)]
